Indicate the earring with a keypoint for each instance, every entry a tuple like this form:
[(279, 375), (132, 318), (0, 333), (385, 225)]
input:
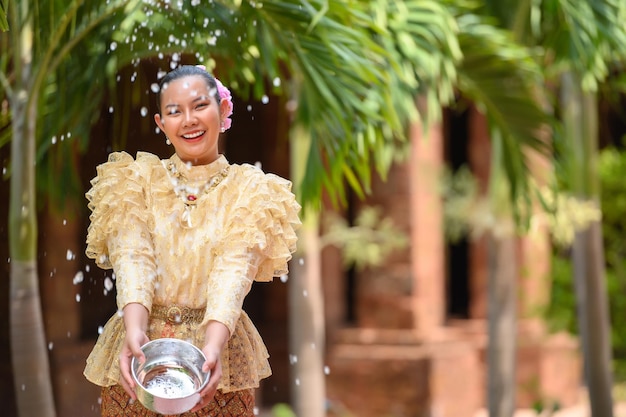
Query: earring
[(167, 140), (222, 128)]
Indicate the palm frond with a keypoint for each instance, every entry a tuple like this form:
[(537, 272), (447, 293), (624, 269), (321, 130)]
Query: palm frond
[(504, 80), (582, 36), (4, 23)]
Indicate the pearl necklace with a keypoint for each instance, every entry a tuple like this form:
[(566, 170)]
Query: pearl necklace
[(189, 194)]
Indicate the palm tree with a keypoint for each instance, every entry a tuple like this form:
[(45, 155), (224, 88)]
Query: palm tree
[(578, 41), (34, 53)]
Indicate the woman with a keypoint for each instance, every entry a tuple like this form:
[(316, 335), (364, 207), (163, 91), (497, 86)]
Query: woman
[(186, 237)]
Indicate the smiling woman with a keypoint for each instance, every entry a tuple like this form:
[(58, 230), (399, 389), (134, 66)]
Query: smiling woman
[(187, 234), (192, 114)]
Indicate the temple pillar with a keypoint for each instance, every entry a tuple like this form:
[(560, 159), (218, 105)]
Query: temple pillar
[(427, 237)]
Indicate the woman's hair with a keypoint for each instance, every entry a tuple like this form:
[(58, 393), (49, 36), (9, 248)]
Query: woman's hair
[(186, 71)]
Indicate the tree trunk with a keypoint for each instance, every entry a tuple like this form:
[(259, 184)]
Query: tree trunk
[(31, 369), (306, 307), (593, 318), (580, 121), (502, 318)]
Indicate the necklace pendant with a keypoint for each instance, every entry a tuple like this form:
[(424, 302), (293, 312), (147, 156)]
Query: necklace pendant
[(186, 217), (191, 198)]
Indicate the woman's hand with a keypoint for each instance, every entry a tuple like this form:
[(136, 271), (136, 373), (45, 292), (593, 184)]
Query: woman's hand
[(216, 336), (133, 342), (136, 324), (213, 365)]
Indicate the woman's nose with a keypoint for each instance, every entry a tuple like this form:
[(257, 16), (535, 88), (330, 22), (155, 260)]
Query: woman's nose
[(190, 119)]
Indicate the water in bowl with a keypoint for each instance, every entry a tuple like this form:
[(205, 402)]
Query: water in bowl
[(170, 382)]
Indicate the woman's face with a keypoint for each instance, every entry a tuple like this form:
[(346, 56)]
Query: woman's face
[(191, 117)]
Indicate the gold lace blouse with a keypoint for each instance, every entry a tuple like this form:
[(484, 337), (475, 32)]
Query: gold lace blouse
[(240, 228)]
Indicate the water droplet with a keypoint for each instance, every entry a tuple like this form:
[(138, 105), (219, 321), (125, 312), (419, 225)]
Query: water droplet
[(293, 359), (144, 111), (113, 46), (54, 140), (154, 87), (284, 278), (78, 298), (111, 109), (265, 99), (326, 370), (276, 82), (305, 293), (69, 255), (100, 329), (50, 346), (78, 278), (301, 261), (297, 381), (108, 284)]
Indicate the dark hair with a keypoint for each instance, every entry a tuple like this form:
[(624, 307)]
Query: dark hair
[(186, 71)]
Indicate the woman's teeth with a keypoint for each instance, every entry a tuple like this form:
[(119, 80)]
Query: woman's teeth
[(193, 135)]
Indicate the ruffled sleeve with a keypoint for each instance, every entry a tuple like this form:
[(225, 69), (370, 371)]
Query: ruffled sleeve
[(265, 219), (258, 244), (119, 236)]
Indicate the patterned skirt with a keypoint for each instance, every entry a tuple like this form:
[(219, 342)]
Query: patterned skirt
[(116, 403)]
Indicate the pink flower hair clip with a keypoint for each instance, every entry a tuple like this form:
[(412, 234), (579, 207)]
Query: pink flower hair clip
[(225, 95)]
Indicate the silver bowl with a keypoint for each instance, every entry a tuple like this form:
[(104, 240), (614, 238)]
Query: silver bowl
[(171, 378)]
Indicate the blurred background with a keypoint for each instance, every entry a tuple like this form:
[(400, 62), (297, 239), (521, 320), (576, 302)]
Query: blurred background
[(459, 164)]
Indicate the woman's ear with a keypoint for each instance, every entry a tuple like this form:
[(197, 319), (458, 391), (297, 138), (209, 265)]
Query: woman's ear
[(159, 122), (223, 110)]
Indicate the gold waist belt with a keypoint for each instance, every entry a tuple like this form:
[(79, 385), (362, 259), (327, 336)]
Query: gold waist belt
[(177, 314)]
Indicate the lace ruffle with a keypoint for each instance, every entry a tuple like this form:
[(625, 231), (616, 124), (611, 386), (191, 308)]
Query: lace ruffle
[(266, 216), (117, 197)]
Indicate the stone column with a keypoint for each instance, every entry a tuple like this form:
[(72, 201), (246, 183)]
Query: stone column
[(427, 238)]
